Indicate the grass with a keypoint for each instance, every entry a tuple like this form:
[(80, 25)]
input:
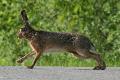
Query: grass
[(59, 59), (61, 16)]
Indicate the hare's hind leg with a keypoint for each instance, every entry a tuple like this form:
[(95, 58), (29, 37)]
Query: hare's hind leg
[(20, 60), (100, 63), (87, 54)]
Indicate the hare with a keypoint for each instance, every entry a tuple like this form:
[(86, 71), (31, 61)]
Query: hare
[(42, 41)]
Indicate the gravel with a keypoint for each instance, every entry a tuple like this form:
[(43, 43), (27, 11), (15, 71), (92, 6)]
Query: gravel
[(58, 73)]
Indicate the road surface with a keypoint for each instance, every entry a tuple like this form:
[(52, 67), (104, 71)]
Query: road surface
[(58, 73)]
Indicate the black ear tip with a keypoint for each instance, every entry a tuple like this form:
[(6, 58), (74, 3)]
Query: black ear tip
[(23, 12)]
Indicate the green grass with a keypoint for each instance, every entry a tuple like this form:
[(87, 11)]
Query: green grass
[(100, 23), (61, 59)]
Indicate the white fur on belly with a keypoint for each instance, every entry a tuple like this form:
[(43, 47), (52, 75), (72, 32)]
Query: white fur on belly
[(55, 50)]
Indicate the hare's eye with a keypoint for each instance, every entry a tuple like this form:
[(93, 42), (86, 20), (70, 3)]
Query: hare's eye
[(24, 29)]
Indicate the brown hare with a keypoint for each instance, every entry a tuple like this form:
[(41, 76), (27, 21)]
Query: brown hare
[(42, 41)]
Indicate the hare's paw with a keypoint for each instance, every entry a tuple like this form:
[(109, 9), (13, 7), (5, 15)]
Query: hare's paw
[(19, 60), (30, 67), (99, 68)]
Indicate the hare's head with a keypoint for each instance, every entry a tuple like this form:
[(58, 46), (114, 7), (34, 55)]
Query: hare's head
[(25, 32)]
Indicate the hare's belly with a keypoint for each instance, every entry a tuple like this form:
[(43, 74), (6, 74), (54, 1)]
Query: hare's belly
[(54, 49)]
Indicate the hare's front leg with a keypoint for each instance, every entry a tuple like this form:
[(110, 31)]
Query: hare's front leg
[(37, 56), (20, 60)]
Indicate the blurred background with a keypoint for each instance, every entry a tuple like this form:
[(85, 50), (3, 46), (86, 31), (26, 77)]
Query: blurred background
[(97, 19)]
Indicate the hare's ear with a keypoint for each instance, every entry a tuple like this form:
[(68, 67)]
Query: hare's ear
[(25, 18)]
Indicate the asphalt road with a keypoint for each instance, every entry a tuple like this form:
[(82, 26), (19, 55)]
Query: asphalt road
[(58, 73)]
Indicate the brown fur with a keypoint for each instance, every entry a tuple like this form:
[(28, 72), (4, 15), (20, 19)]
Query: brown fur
[(41, 41)]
